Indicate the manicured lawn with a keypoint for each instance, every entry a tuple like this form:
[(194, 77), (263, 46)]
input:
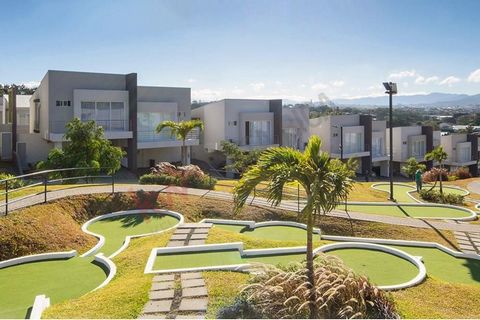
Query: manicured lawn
[(409, 211), (283, 233), (278, 260), (194, 260), (380, 267), (115, 229), (57, 279), (400, 191)]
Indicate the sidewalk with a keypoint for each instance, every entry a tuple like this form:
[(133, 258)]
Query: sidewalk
[(286, 205)]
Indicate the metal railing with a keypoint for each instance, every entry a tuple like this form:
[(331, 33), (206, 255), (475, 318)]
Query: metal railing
[(59, 126), (165, 135), (50, 177)]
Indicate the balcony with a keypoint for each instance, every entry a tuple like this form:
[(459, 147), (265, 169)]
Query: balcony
[(149, 139), (113, 129), (257, 142)]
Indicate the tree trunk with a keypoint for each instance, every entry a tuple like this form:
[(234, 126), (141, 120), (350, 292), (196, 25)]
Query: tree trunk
[(310, 269), (184, 156), (441, 178)]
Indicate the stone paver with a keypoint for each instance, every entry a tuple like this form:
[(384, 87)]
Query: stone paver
[(189, 283), (194, 292), (191, 275), (164, 277), (195, 225), (162, 294), (181, 236), (158, 306), (191, 316), (162, 285), (196, 242), (201, 236), (200, 230), (193, 304), (175, 243), (187, 231), (153, 316)]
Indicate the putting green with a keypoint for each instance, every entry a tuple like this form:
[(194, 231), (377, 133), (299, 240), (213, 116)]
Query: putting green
[(380, 267), (197, 259), (443, 266), (57, 279), (116, 229), (432, 211), (285, 233), (401, 195)]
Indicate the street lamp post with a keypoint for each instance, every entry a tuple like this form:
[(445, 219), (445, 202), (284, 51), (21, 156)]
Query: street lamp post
[(391, 89)]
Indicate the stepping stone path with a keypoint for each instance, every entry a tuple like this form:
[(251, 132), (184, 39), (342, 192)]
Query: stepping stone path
[(181, 295), (469, 242)]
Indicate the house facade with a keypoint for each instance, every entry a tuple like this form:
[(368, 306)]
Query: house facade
[(462, 150), (127, 112)]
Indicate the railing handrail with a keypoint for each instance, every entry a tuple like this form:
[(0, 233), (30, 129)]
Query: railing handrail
[(43, 172)]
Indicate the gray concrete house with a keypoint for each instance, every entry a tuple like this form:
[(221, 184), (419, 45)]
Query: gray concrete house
[(128, 113), (462, 150)]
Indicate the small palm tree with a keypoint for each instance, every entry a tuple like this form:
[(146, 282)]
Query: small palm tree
[(439, 155), (180, 130), (326, 181)]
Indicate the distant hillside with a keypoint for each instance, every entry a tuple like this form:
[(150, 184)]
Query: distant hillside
[(432, 99)]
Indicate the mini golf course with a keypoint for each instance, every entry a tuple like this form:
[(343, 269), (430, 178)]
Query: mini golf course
[(284, 233), (62, 279), (59, 279), (116, 229)]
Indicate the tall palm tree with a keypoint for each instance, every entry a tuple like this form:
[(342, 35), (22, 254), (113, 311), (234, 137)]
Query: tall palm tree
[(439, 155), (326, 181), (181, 130)]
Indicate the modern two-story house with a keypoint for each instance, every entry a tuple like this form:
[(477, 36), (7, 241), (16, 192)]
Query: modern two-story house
[(127, 112), (462, 150)]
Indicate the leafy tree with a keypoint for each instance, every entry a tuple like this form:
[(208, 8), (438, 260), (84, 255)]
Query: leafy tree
[(326, 181), (21, 89), (439, 155), (240, 160), (181, 130), (85, 147), (412, 165)]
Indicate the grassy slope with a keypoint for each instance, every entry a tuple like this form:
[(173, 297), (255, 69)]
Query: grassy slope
[(58, 279), (410, 211), (115, 229)]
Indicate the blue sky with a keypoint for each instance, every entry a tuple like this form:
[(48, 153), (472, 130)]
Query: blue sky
[(279, 49)]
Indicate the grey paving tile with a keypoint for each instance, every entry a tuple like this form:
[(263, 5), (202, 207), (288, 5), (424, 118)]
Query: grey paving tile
[(195, 242), (162, 294), (190, 275), (163, 277), (162, 285), (186, 230), (157, 306), (194, 292), (176, 243), (190, 316), (195, 225), (189, 283), (199, 236), (193, 304), (153, 316), (181, 236), (200, 230)]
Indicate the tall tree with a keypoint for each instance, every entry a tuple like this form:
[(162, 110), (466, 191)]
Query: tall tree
[(85, 147), (181, 130), (327, 182), (439, 155), (239, 160), (411, 166)]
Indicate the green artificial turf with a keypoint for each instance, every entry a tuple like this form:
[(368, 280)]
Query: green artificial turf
[(115, 229), (283, 233), (281, 259), (400, 191), (443, 266), (409, 211), (380, 267), (230, 227), (57, 279), (195, 260)]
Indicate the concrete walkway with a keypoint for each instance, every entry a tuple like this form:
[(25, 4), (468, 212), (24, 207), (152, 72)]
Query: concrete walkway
[(474, 187), (286, 205), (181, 295)]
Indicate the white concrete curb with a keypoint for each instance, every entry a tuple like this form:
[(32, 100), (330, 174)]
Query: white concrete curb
[(416, 261), (40, 303), (101, 239), (252, 224), (38, 257), (112, 268)]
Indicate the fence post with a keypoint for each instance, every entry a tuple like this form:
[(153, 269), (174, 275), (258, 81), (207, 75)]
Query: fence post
[(298, 198), (6, 197), (113, 183), (45, 188)]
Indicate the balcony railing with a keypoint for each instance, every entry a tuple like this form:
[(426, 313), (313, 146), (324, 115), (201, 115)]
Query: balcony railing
[(59, 126), (152, 136)]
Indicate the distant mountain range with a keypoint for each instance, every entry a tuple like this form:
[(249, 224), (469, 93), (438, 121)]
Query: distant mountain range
[(429, 100)]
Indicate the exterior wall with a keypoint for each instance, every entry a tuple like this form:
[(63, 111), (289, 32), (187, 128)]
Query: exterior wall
[(214, 120), (238, 109), (297, 118), (172, 154), (321, 127), (401, 136), (37, 148), (180, 96)]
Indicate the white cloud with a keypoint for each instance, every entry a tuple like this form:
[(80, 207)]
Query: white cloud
[(258, 86), (319, 86), (449, 81), (207, 94), (237, 91), (278, 83), (338, 83), (191, 80), (474, 76), (31, 84), (423, 80), (403, 74)]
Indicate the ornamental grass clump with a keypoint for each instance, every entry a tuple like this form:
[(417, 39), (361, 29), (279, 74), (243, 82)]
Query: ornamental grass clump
[(284, 293)]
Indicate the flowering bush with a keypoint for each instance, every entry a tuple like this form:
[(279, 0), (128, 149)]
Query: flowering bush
[(187, 176), (461, 173), (432, 175)]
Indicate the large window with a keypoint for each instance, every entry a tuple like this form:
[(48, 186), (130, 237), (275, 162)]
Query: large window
[(36, 121), (148, 121), (109, 115), (290, 137), (417, 149), (378, 148), (257, 133), (352, 142), (464, 154)]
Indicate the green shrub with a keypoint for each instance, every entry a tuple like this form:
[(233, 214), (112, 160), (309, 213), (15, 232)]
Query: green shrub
[(12, 184), (189, 181), (461, 173), (436, 197)]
